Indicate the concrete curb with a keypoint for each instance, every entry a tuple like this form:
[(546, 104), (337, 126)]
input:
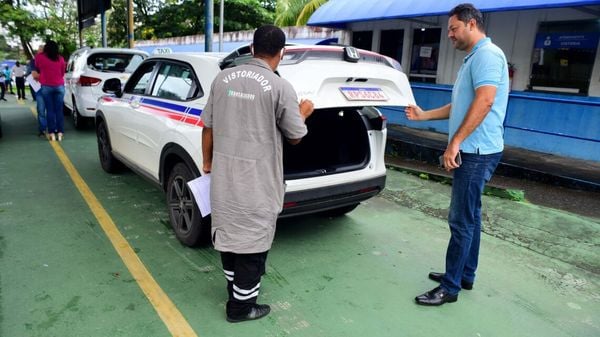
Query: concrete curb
[(490, 189)]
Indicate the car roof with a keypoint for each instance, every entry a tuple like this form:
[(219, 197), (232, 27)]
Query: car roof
[(111, 50), (189, 56)]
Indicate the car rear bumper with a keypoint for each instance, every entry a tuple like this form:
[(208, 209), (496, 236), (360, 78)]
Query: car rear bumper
[(325, 198)]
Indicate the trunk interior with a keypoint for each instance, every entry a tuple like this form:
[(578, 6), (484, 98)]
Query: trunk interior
[(337, 141)]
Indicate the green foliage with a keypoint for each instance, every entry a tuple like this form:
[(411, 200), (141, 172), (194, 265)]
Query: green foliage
[(40, 19), (186, 18), (116, 27), (181, 18), (308, 10), (6, 52), (245, 14), (295, 12)]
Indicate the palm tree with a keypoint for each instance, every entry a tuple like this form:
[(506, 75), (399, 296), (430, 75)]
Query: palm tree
[(295, 12)]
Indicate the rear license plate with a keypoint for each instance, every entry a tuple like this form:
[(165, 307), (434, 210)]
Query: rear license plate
[(363, 94)]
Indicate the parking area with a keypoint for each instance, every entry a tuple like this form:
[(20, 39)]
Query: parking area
[(85, 253)]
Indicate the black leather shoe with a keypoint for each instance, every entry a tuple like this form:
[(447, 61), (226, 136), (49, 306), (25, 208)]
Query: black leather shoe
[(257, 311), (437, 277), (436, 296)]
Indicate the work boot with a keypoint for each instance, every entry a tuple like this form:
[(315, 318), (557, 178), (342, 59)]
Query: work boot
[(256, 312)]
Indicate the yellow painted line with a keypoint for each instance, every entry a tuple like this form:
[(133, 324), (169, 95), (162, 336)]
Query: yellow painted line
[(166, 309)]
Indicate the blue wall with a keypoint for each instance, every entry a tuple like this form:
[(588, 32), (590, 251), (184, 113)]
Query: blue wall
[(550, 123)]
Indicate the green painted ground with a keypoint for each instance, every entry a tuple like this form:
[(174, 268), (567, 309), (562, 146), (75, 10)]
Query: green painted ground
[(351, 276)]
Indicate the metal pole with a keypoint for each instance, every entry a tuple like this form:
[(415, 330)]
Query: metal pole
[(221, 24), (208, 27), (103, 22), (130, 28)]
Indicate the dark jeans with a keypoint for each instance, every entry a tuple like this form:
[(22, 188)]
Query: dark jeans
[(41, 112), (20, 83), (32, 92), (464, 218), (243, 273), (53, 99)]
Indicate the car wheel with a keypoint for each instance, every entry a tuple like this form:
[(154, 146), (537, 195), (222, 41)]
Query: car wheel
[(78, 120), (339, 211), (108, 162), (187, 222)]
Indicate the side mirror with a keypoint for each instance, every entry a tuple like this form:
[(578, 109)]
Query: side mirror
[(113, 86)]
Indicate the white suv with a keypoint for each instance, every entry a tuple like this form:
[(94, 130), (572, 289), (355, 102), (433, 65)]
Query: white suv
[(154, 126), (87, 68)]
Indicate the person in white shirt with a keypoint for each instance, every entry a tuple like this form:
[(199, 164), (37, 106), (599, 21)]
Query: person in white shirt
[(18, 71)]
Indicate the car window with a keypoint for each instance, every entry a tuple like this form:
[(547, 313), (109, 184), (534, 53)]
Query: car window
[(140, 80), (239, 56), (114, 62), (177, 82), (70, 64), (73, 62)]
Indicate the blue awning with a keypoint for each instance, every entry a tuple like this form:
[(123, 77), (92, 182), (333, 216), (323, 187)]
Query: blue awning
[(337, 13)]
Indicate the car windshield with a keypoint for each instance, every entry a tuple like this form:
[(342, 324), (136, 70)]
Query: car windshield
[(113, 62)]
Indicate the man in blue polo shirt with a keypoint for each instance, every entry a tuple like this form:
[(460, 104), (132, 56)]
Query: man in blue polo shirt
[(475, 144)]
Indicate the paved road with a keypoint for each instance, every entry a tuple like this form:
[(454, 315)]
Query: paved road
[(350, 276)]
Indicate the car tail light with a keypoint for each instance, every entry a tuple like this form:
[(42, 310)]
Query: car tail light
[(87, 81), (368, 189), (290, 204)]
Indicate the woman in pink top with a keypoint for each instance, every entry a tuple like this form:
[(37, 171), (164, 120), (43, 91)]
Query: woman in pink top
[(51, 67)]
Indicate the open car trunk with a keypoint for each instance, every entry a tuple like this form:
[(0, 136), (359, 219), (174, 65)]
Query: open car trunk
[(337, 141)]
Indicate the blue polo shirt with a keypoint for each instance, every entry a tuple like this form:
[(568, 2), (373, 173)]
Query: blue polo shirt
[(484, 65)]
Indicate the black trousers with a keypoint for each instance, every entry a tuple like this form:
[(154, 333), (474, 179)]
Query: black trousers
[(20, 83), (8, 85), (243, 273)]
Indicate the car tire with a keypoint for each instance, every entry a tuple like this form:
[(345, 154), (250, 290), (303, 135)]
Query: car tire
[(78, 120), (108, 161), (187, 222), (337, 212)]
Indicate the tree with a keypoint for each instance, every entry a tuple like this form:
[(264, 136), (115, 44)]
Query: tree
[(246, 14), (187, 17), (169, 18), (20, 24), (295, 12), (308, 10), (116, 26), (6, 52), (53, 19)]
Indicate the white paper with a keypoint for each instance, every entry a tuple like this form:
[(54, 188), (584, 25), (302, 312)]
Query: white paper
[(35, 84), (200, 188), (425, 52)]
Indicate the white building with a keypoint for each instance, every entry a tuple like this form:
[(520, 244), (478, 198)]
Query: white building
[(552, 45)]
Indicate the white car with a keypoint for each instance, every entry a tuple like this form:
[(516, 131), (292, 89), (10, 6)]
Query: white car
[(86, 71), (154, 127)]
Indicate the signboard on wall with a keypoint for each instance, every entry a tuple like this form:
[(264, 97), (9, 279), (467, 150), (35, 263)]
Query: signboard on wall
[(580, 40)]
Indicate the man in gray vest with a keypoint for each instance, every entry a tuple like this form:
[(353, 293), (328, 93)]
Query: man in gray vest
[(249, 111)]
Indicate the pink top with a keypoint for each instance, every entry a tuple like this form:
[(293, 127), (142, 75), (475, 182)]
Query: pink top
[(51, 72)]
